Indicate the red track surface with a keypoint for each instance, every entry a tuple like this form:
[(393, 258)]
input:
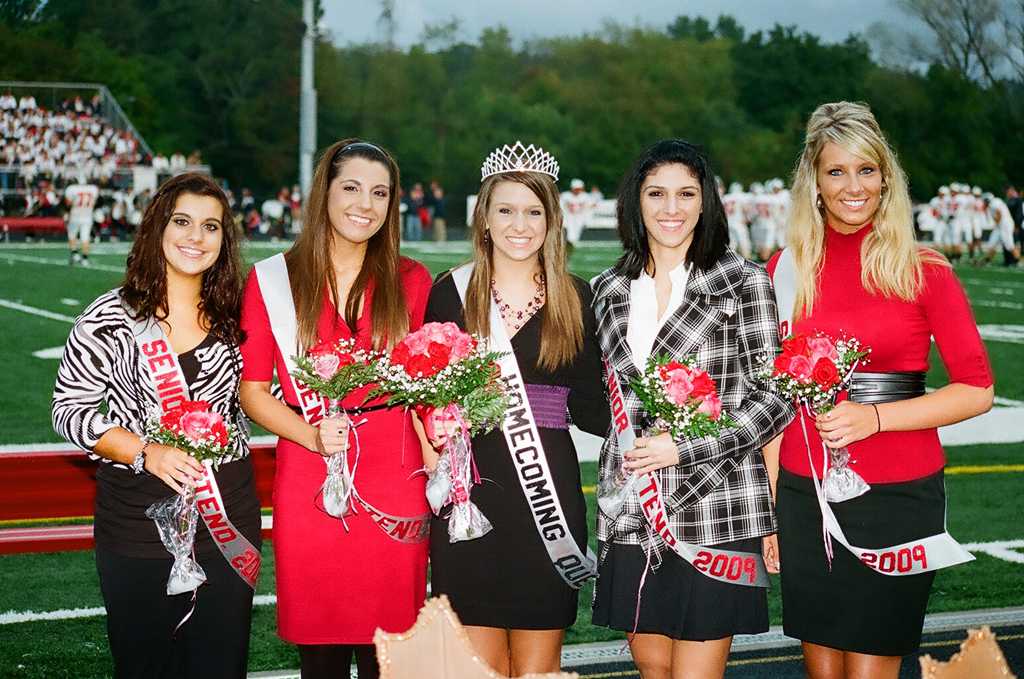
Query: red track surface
[(61, 486)]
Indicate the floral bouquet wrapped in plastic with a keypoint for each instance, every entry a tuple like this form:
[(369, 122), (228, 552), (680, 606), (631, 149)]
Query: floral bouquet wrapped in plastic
[(812, 371), (207, 437), (680, 399), (334, 370), (440, 367)]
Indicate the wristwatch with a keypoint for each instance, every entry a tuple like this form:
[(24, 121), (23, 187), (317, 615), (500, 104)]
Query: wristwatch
[(139, 463)]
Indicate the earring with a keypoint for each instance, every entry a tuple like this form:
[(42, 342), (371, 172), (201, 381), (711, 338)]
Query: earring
[(486, 239), (820, 203)]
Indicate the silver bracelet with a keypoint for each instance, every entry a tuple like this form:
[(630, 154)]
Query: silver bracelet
[(139, 463)]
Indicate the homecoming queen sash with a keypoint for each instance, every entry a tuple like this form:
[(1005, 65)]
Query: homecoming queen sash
[(528, 457), (737, 568), (276, 289), (910, 558), (161, 364)]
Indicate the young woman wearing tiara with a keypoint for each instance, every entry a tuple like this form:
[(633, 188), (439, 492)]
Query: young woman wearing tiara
[(505, 586), (337, 581)]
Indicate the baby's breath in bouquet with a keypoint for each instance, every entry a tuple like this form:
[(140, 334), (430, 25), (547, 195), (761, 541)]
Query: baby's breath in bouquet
[(680, 399), (440, 367), (335, 369)]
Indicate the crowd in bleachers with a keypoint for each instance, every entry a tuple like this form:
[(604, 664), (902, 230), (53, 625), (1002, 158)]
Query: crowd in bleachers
[(57, 145)]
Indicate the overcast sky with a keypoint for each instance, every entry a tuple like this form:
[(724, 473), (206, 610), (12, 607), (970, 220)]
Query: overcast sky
[(356, 21)]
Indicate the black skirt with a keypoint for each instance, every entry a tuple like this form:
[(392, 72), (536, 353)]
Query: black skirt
[(850, 606), (677, 600)]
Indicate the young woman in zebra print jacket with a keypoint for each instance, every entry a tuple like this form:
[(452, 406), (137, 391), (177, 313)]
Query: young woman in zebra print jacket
[(183, 273)]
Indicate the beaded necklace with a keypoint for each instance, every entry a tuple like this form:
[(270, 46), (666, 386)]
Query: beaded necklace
[(517, 317)]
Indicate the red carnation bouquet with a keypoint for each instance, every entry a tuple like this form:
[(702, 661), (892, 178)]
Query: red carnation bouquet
[(812, 370), (440, 367), (206, 436), (335, 369), (680, 399)]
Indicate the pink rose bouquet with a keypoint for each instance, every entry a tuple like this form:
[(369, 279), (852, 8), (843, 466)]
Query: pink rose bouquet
[(206, 436), (681, 399), (197, 430), (335, 369), (441, 368), (812, 370)]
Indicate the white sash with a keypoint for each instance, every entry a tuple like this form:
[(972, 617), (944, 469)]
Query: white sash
[(161, 364), (910, 558), (528, 457), (737, 568), (276, 289)]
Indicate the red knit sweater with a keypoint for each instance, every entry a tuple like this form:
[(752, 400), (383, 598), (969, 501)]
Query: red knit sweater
[(899, 335)]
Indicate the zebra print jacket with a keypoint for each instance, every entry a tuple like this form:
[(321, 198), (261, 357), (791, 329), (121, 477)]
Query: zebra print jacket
[(101, 365)]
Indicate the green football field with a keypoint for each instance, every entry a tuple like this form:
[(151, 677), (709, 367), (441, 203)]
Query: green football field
[(42, 635)]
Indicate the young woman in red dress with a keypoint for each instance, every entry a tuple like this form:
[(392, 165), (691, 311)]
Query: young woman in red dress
[(857, 270), (337, 582)]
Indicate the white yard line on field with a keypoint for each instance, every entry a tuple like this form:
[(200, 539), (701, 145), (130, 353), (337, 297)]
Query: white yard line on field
[(17, 306), (32, 616), (57, 262), (1014, 334), (968, 280), (997, 304), (52, 352)]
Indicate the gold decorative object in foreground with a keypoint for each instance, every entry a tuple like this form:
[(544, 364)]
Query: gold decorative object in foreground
[(979, 658), (436, 647)]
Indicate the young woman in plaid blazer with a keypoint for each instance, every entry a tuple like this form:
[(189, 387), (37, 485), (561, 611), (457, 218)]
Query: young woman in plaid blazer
[(679, 290)]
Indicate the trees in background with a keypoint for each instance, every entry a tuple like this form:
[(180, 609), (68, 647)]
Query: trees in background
[(222, 76)]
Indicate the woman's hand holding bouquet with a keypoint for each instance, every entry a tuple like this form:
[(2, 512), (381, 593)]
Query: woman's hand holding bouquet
[(812, 371), (682, 402), (206, 437), (457, 390), (334, 370)]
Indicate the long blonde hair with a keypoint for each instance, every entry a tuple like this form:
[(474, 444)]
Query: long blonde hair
[(562, 313), (891, 258), (309, 259)]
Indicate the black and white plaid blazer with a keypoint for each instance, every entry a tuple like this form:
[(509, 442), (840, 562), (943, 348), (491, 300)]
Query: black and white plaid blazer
[(719, 491)]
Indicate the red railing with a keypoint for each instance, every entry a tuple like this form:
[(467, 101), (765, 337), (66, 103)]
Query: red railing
[(58, 487)]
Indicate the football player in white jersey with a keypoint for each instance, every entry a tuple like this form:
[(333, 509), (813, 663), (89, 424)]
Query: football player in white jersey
[(779, 195), (737, 209), (1002, 233), (81, 198), (576, 208), (962, 219)]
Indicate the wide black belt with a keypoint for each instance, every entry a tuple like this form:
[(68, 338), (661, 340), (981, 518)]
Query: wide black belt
[(350, 411), (885, 387)]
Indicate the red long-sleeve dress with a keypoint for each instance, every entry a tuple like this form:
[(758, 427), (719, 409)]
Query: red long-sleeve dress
[(333, 586)]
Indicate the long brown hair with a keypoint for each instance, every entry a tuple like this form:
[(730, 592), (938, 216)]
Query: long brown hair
[(144, 289), (309, 259), (562, 313)]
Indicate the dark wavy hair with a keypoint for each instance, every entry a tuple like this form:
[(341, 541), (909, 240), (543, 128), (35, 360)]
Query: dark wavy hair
[(309, 259), (145, 279), (710, 236)]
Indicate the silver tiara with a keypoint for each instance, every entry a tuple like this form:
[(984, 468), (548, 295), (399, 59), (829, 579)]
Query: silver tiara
[(518, 158)]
